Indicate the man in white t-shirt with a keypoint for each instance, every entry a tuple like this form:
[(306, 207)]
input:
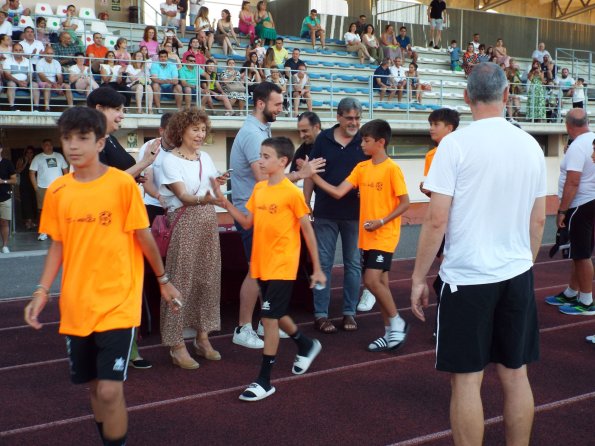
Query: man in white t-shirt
[(51, 79), (45, 168), (540, 52), (565, 82), (475, 42), (487, 311), (31, 46), (5, 25), (169, 11), (398, 77), (18, 73), (576, 190)]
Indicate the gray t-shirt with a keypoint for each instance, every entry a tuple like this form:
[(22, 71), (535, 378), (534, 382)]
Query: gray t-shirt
[(245, 151)]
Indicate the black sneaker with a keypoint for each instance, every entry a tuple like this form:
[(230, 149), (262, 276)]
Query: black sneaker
[(13, 108), (436, 47), (431, 44), (140, 363)]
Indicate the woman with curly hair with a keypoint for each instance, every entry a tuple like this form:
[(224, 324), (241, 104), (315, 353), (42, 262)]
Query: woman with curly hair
[(150, 42), (193, 256)]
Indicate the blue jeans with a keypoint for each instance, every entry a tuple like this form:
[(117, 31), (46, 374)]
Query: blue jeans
[(326, 231)]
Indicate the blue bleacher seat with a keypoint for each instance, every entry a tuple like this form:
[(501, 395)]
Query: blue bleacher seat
[(328, 64), (315, 76), (433, 106), (342, 53), (362, 78), (309, 51), (387, 105), (362, 90), (361, 65), (317, 103), (292, 38), (350, 90), (342, 64), (345, 77), (316, 88)]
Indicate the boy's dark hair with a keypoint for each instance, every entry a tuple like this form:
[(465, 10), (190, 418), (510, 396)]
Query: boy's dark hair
[(162, 52), (377, 128), (82, 120), (264, 90), (580, 79), (106, 97), (312, 118), (445, 115), (282, 145), (453, 41), (279, 38)]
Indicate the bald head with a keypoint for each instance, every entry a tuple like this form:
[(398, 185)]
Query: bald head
[(577, 122)]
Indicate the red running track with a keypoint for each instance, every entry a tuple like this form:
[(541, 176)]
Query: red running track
[(350, 396)]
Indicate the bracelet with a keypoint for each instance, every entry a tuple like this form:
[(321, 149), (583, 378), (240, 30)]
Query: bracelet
[(382, 222), (41, 287), (560, 212), (163, 279)]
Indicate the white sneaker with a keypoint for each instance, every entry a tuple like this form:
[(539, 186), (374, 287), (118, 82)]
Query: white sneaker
[(260, 331), (367, 301), (5, 250), (372, 60), (247, 337), (41, 237)]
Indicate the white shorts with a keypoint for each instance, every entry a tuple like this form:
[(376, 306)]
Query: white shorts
[(437, 24), (6, 209)]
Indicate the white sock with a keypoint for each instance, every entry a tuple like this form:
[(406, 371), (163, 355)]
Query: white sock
[(585, 298), (386, 330), (396, 323), (569, 292)]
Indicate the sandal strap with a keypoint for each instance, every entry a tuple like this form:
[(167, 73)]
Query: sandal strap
[(380, 343)]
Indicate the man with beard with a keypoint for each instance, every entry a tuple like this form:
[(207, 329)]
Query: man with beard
[(309, 129), (340, 146)]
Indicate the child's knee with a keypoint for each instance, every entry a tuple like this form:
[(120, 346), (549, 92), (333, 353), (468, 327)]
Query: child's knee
[(109, 392)]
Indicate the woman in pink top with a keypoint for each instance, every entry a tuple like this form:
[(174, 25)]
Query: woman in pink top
[(247, 21), (150, 42)]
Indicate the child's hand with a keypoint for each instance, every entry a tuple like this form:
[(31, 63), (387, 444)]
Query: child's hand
[(219, 198), (372, 225), (318, 279), (311, 167), (34, 308)]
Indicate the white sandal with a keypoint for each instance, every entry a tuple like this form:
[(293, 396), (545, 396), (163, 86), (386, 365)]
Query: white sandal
[(301, 364), (255, 392)]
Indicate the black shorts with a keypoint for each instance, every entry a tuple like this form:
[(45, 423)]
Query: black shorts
[(275, 297), (375, 259), (101, 355), (479, 324), (579, 221)]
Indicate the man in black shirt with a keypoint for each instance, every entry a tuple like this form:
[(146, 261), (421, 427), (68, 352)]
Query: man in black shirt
[(292, 64), (8, 178), (435, 10), (360, 26), (308, 128)]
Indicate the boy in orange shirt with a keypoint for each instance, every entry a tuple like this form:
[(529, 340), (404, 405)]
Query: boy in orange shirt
[(277, 210), (383, 199), (99, 229)]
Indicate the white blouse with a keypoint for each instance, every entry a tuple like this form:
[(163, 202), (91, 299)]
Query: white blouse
[(351, 37)]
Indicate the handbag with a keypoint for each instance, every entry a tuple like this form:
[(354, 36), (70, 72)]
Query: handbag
[(162, 231)]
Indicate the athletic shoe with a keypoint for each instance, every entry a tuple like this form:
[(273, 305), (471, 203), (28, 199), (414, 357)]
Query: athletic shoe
[(590, 339), (255, 392), (41, 237), (140, 363), (366, 301), (260, 331), (560, 299), (5, 250), (578, 309), (247, 337)]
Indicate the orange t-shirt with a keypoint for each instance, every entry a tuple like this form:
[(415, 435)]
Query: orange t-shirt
[(380, 186), (98, 51), (429, 159), (277, 210), (102, 276)]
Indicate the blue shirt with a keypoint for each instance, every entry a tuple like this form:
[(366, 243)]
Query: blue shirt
[(455, 54), (382, 74), (403, 41), (164, 71), (245, 151), (340, 161)]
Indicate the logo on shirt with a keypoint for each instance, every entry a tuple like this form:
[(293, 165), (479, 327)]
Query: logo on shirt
[(51, 162), (379, 186), (273, 209), (105, 218), (266, 305), (380, 258), (119, 365)]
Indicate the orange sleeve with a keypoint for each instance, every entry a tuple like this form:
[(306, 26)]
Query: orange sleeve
[(299, 205), (49, 223), (353, 177), (398, 182)]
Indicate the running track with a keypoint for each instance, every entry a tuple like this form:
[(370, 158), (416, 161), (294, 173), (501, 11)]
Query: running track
[(350, 396)]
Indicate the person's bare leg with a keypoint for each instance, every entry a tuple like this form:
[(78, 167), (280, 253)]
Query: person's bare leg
[(519, 407), (466, 409), (248, 297), (68, 94), (4, 231), (322, 39), (109, 407), (584, 275)]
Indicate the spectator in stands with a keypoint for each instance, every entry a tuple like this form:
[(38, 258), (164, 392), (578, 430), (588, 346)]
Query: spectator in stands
[(565, 83), (279, 80), (382, 80), (549, 68), (183, 11), (500, 52), (361, 25), (258, 48), (194, 254), (70, 22), (5, 44), (225, 33), (470, 59), (353, 43), (26, 191), (80, 76), (195, 49), (96, 52), (5, 25), (45, 168), (170, 37), (164, 79), (265, 26), (251, 72), (247, 21), (172, 56), (267, 64), (301, 89), (121, 52), (292, 64), (213, 88), (578, 96), (311, 29), (435, 16), (455, 56), (404, 42), (398, 77), (281, 54), (540, 52), (169, 12), (150, 42), (234, 87), (49, 72), (372, 43), (19, 76), (43, 34), (147, 58), (476, 43), (203, 24), (31, 46), (139, 82), (388, 39), (15, 10), (413, 84), (482, 56), (189, 75), (535, 93), (8, 179), (194, 7), (513, 106), (112, 75)]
